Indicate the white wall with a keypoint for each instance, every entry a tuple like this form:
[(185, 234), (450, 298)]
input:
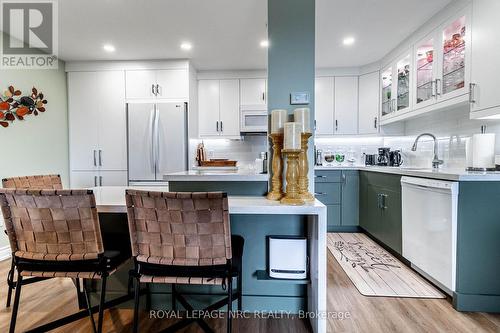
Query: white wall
[(37, 145)]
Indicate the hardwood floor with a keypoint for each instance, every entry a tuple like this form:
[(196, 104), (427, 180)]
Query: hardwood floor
[(49, 300)]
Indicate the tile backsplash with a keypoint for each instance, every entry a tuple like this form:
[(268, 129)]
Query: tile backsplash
[(452, 128), (245, 151)]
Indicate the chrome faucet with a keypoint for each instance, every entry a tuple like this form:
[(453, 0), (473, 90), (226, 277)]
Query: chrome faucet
[(436, 162)]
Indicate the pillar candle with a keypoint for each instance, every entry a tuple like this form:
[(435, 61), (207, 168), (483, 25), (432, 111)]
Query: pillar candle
[(292, 135), (302, 115), (278, 119)]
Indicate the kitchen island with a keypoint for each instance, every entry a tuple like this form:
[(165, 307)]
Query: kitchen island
[(233, 182), (254, 218)]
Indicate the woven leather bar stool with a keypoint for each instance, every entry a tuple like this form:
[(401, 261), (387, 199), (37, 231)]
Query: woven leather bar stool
[(56, 233), (184, 238), (52, 182)]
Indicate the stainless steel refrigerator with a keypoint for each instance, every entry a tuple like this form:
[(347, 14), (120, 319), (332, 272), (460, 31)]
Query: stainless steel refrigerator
[(157, 141)]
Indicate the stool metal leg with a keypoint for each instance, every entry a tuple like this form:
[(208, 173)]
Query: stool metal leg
[(137, 286), (101, 303), (229, 303), (16, 303), (240, 290), (10, 282), (174, 300), (89, 307)]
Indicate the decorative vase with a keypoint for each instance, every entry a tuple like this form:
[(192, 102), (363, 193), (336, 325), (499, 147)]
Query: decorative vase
[(292, 196), (277, 167), (304, 170)]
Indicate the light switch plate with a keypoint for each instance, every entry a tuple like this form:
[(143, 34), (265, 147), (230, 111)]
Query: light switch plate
[(299, 98)]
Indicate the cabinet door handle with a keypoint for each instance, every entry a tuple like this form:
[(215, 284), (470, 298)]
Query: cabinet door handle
[(153, 89), (433, 88), (221, 128), (95, 158), (263, 96), (319, 193), (158, 91), (100, 180), (438, 87), (336, 125), (382, 201), (217, 126), (320, 176), (95, 181), (472, 97), (375, 120), (344, 179), (100, 157), (314, 124)]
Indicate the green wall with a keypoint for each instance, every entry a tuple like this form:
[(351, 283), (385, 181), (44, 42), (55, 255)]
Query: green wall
[(291, 33), (37, 145)]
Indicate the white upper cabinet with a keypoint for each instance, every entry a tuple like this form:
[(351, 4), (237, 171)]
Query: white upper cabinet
[(454, 56), (97, 127), (346, 105), (173, 84), (324, 105), (402, 92), (208, 107), (426, 73), (219, 108), (368, 117), (253, 93), (140, 84), (164, 84), (485, 96), (229, 107)]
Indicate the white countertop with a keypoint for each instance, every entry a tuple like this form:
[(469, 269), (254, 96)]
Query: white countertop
[(442, 173), (111, 199), (217, 175)]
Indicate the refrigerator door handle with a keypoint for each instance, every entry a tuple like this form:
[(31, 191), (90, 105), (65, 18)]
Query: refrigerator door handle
[(151, 125)]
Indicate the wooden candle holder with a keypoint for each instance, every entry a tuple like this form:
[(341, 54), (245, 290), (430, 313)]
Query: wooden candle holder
[(277, 168), (292, 196), (304, 169)]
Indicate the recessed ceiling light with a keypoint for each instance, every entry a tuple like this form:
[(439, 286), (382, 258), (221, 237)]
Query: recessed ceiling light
[(348, 41), (186, 46), (264, 43), (108, 48)]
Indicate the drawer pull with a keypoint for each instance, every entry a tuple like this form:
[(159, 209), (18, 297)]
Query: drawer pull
[(320, 193), (320, 176)]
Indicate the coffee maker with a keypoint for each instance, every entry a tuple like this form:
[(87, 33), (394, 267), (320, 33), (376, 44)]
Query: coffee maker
[(395, 158), (383, 158)]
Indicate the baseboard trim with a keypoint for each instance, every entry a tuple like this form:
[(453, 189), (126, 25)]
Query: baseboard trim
[(5, 252)]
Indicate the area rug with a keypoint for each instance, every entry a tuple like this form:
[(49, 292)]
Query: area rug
[(374, 271)]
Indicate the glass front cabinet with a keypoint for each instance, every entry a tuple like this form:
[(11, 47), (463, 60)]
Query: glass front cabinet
[(441, 63), (395, 85), (434, 74)]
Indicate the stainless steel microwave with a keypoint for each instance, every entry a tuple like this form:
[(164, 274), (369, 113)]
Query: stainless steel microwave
[(253, 121)]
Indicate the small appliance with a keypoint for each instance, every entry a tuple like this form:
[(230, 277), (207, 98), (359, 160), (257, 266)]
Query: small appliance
[(253, 121), (319, 157), (395, 158), (287, 257), (370, 159), (383, 156)]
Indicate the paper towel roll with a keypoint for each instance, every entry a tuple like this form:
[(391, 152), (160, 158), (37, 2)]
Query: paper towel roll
[(483, 150)]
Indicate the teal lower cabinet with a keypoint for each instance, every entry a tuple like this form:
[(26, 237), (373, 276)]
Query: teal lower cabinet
[(478, 247), (339, 191), (380, 207)]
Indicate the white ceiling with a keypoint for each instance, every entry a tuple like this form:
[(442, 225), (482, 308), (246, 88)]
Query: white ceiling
[(226, 33), (378, 26)]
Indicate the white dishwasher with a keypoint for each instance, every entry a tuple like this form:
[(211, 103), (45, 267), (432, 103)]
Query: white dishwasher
[(429, 209)]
